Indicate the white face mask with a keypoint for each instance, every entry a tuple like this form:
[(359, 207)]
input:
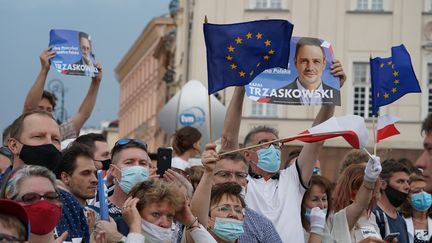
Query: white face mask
[(154, 233)]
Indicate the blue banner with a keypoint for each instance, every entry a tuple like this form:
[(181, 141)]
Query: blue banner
[(74, 55), (306, 81)]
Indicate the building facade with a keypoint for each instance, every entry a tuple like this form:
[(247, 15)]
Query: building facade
[(143, 91), (357, 29)]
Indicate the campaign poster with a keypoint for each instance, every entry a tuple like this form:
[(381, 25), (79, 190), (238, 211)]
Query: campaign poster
[(74, 54), (307, 81)]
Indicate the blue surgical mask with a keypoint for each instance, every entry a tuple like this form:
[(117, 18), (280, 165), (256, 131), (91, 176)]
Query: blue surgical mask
[(308, 213), (130, 176), (269, 159), (228, 229), (421, 201)]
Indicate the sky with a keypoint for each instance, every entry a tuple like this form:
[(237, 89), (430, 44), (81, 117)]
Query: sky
[(113, 25)]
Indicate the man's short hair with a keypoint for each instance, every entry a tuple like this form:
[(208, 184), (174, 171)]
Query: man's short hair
[(308, 41), (259, 129), (52, 99), (426, 127), (70, 155), (236, 156), (17, 126), (90, 139), (391, 166), (83, 35), (131, 144)]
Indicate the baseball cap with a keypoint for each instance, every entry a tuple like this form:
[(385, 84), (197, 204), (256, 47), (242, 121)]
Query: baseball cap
[(12, 208)]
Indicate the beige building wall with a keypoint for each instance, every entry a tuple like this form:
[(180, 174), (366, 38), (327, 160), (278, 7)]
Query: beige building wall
[(355, 35), (142, 90)]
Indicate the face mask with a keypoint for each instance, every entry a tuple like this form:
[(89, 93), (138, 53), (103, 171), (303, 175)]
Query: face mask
[(130, 176), (269, 159), (308, 213), (228, 229), (105, 164), (395, 197), (46, 155), (154, 233), (421, 201), (43, 216)]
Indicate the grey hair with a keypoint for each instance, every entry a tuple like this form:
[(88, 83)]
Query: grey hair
[(259, 129), (13, 185)]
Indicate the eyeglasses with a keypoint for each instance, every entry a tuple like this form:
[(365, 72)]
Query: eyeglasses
[(125, 141), (226, 208), (9, 239), (33, 197), (277, 145), (226, 174)]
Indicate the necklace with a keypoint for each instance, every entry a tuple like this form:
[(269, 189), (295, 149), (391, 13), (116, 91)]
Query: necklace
[(420, 221)]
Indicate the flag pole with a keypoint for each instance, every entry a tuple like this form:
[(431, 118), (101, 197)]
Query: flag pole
[(374, 134), (209, 104)]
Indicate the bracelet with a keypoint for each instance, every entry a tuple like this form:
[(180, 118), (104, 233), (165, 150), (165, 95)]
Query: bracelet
[(368, 188), (191, 226)]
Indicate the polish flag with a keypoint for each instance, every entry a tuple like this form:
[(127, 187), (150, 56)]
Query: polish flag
[(352, 128), (386, 127)]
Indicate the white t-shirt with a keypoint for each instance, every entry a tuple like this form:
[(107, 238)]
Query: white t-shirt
[(364, 228), (280, 201)]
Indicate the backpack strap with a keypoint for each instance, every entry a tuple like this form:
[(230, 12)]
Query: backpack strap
[(380, 220)]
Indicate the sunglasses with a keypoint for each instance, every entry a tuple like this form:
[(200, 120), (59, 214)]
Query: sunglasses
[(33, 197), (125, 141)]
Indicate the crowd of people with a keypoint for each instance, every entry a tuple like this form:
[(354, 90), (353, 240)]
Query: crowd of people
[(49, 194)]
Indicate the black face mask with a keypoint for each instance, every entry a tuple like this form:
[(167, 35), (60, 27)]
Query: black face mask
[(105, 164), (395, 197), (46, 155)]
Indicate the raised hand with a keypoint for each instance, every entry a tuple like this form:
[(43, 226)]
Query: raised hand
[(337, 71), (209, 157), (373, 169)]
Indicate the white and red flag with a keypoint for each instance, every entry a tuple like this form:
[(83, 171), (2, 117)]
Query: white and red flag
[(386, 127), (352, 128)]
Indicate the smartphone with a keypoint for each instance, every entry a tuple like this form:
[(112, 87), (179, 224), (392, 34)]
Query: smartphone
[(164, 156), (390, 237)]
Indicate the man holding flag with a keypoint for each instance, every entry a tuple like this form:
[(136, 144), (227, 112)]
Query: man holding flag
[(273, 193)]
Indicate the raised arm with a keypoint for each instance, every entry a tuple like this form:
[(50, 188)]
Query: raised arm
[(89, 101), (310, 151), (34, 95), (200, 202), (364, 194), (230, 132)]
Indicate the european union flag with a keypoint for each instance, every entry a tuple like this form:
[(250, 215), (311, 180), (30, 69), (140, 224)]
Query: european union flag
[(392, 78), (237, 53)]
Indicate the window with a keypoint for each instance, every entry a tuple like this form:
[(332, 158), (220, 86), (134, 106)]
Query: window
[(429, 79), (428, 6), (263, 109), (362, 98), (374, 5), (272, 4)]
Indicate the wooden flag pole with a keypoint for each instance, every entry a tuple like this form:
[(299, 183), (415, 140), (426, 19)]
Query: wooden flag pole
[(209, 104)]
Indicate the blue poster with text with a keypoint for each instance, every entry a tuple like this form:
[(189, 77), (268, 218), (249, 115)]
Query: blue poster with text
[(74, 54), (306, 81)]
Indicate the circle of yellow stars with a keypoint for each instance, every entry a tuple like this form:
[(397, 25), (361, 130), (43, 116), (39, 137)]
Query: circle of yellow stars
[(241, 40), (396, 81)]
